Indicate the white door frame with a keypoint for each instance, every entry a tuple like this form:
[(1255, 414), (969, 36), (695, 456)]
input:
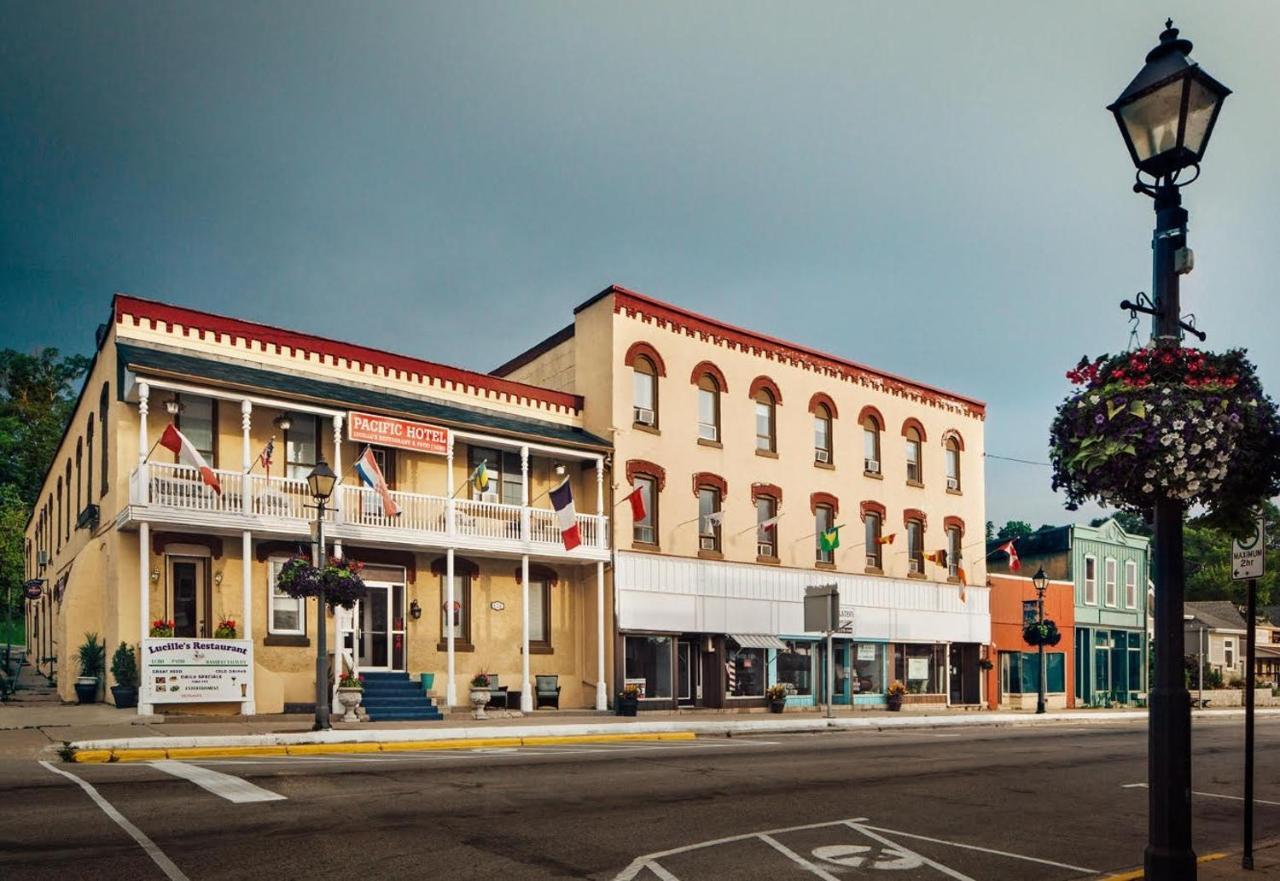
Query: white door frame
[(389, 633), (202, 611)]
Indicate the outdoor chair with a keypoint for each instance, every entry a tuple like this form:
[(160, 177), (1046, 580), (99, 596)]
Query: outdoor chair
[(498, 693), (547, 691)]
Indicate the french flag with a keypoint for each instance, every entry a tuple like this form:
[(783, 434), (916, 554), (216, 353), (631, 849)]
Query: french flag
[(188, 455), (371, 476), (562, 501)]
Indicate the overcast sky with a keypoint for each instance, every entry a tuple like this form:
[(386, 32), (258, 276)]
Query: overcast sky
[(931, 188)]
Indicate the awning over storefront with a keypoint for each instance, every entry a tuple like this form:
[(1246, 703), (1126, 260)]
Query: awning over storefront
[(758, 641)]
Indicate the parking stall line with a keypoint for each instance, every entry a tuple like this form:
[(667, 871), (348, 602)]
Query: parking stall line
[(234, 789), (994, 852), (946, 870), (1257, 801), (797, 859)]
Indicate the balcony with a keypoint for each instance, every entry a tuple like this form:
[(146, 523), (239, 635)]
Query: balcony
[(172, 494)]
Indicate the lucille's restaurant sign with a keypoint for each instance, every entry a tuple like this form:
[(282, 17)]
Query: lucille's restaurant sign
[(181, 670), (387, 431)]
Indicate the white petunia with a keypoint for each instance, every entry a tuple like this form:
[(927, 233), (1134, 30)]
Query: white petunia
[(1194, 449), (1147, 488)]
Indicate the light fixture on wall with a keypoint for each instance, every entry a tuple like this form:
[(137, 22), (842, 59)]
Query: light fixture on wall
[(173, 406), (560, 469), (217, 578), (283, 421), (415, 610), (155, 575)]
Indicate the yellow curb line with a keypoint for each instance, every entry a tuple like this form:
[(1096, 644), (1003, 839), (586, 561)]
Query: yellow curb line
[(1137, 874), (306, 749)]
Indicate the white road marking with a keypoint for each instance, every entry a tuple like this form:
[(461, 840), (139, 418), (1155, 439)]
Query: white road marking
[(1257, 801), (233, 789), (796, 858), (171, 871), (1001, 853), (946, 870), (946, 735), (663, 874)]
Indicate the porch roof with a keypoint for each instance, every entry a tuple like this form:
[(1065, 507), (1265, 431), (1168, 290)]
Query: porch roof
[(289, 384)]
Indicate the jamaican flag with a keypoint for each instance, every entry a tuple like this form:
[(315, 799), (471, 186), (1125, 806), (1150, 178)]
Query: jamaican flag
[(829, 539)]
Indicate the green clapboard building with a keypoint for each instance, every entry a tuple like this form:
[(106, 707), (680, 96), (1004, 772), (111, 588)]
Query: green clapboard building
[(1110, 569)]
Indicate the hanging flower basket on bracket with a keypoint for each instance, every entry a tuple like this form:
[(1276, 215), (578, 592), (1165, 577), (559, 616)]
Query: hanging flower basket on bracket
[(1170, 423), (1042, 634), (338, 581)]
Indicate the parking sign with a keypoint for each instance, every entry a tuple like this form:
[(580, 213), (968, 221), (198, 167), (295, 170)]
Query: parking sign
[(1249, 556)]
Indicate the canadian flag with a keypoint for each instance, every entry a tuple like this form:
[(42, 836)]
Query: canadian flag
[(188, 455), (562, 501), (1014, 563)]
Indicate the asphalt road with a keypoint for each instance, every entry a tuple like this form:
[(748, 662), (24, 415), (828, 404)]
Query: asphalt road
[(1016, 803)]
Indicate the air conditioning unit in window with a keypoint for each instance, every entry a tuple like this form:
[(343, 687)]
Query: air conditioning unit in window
[(42, 558), (872, 466), (915, 565), (873, 562), (643, 416), (823, 456), (953, 483), (764, 550), (707, 542), (489, 497), (953, 570), (708, 432)]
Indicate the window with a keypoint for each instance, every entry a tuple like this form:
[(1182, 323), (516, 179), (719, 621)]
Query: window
[(288, 614), (823, 520), (102, 429), (301, 445), (822, 435), (540, 612), (647, 662), (708, 521), (645, 530), (1131, 584), (1110, 594), (871, 444), (868, 667), (79, 474), (1020, 672), (952, 448), (795, 668), (915, 547), (57, 524), (873, 529), (921, 668), (88, 461), (766, 535), (746, 670), (915, 465), (766, 422), (67, 510), (1091, 581), (953, 551), (503, 470), (644, 385), (708, 408), (459, 617), (1229, 652), (198, 421)]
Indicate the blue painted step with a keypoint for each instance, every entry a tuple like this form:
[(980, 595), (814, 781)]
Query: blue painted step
[(393, 696)]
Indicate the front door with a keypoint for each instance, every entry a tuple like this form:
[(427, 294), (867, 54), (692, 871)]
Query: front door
[(187, 581), (381, 621), (688, 673)]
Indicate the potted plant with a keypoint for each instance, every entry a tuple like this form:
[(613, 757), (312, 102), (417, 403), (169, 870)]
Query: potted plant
[(338, 580), (628, 700), (480, 695), (894, 695), (985, 664), (226, 628), (777, 695), (350, 693), (1037, 633), (92, 658), (124, 669), (161, 627)]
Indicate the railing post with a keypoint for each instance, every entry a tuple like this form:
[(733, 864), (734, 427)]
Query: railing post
[(338, 507), (144, 396)]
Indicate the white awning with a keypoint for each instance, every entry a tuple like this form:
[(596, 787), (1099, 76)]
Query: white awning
[(758, 641)]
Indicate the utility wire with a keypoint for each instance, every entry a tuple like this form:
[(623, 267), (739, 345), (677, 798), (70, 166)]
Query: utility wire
[(1012, 459)]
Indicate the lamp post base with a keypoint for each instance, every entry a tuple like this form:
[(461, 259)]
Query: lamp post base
[(1169, 864)]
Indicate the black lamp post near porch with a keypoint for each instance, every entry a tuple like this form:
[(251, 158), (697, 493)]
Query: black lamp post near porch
[(320, 483), (1166, 116), (1041, 581)]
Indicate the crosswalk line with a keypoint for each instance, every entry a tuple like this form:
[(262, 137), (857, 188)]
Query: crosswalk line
[(233, 789)]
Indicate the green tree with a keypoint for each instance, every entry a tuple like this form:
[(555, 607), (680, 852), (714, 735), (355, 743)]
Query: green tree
[(1014, 529), (1207, 562)]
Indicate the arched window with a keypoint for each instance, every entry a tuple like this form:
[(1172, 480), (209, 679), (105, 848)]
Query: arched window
[(67, 511), (766, 526), (57, 523), (915, 454), (953, 550), (766, 422), (88, 461), (709, 408), (951, 446), (710, 495), (915, 546), (871, 428), (644, 384), (102, 430), (79, 475), (822, 435)]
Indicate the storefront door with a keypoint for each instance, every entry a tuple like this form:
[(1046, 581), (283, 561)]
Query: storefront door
[(688, 673), (187, 582), (964, 674), (381, 621)]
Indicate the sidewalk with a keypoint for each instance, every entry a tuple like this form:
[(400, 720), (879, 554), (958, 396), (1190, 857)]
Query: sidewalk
[(1221, 866)]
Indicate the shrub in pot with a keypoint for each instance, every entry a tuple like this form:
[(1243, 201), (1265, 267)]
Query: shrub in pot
[(628, 700), (124, 669), (777, 695), (894, 695), (480, 695), (92, 659)]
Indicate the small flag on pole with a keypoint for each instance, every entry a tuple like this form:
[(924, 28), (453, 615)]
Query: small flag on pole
[(829, 539), (264, 458), (188, 455), (886, 539), (771, 523), (964, 582), (371, 476), (480, 478), (1014, 563), (562, 501), (937, 558), (636, 498)]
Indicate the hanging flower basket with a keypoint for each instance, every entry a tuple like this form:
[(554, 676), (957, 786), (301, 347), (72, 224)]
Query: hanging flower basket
[(1042, 634), (1171, 423), (161, 627), (338, 581), (226, 628)]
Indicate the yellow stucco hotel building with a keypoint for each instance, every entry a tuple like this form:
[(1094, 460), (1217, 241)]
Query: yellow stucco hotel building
[(721, 429)]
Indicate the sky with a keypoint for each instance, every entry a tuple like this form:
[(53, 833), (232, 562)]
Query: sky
[(934, 189)]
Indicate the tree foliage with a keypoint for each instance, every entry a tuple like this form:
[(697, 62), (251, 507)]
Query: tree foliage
[(1014, 529)]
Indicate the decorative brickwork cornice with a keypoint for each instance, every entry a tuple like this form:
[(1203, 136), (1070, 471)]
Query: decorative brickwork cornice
[(953, 522), (706, 478), (912, 422), (706, 368), (643, 349), (820, 498), (824, 400), (651, 469), (870, 507), (764, 382), (772, 490)]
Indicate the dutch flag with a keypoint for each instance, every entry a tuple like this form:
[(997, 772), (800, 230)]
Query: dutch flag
[(371, 476)]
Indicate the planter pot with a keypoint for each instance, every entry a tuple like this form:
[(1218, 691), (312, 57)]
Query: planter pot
[(428, 682), (479, 700), (777, 706), (350, 699), (894, 702), (126, 696), (627, 706), (87, 689)]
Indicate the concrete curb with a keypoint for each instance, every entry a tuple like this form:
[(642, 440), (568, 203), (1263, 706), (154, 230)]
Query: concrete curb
[(722, 727)]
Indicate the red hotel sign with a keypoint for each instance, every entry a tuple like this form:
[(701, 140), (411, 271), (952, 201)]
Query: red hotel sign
[(388, 431)]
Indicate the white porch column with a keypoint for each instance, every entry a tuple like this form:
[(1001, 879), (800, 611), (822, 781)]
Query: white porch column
[(524, 527), (248, 708), (451, 687), (601, 540), (246, 453), (448, 491), (526, 692), (337, 467), (602, 695), (144, 396), (144, 596)]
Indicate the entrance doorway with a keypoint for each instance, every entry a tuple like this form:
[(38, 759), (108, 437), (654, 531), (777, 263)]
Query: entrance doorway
[(380, 617), (688, 673), (189, 595), (965, 676)]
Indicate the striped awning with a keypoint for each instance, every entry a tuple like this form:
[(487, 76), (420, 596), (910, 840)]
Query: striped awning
[(758, 641)]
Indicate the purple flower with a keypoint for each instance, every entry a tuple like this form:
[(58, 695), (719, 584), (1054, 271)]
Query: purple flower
[(1099, 419)]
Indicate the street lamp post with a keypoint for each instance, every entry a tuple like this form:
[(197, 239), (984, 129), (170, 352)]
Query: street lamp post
[(1166, 115), (320, 483), (1041, 581)]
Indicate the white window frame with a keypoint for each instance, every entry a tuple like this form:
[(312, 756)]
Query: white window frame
[(1130, 584), (273, 568), (1110, 580), (1090, 584)]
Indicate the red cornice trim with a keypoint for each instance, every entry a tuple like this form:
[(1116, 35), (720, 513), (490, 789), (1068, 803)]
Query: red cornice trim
[(702, 368), (952, 433), (913, 422), (651, 469), (821, 498), (772, 490), (915, 514), (764, 382), (953, 522), (538, 572), (356, 357), (461, 566), (874, 508), (648, 351), (692, 324), (869, 410), (825, 400), (706, 478)]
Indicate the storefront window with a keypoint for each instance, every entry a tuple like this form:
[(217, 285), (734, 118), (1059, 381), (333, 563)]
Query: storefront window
[(920, 667), (648, 658), (795, 668), (746, 671), (1020, 672), (868, 668)]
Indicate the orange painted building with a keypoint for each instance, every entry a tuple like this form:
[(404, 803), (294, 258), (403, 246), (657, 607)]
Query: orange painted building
[(1012, 681)]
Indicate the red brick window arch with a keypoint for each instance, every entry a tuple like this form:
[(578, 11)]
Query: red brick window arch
[(827, 499)]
